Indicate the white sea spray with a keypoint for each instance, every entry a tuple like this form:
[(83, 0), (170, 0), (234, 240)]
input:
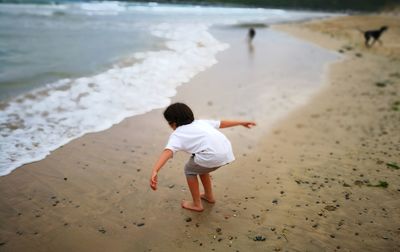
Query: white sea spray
[(37, 122), (34, 125)]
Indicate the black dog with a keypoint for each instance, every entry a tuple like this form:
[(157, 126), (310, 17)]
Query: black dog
[(374, 35)]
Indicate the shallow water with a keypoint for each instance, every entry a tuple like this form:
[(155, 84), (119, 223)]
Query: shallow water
[(74, 68)]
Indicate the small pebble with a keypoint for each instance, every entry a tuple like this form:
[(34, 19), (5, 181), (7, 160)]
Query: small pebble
[(330, 208), (259, 238), (188, 219)]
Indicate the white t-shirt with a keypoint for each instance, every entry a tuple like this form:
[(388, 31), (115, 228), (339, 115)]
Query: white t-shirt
[(201, 137)]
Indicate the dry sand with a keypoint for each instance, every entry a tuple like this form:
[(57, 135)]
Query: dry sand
[(303, 184)]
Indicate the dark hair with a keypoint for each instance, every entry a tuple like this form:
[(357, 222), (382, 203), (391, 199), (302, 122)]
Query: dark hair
[(179, 113)]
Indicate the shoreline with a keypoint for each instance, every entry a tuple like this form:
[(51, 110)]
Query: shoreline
[(271, 190), (57, 113), (45, 151)]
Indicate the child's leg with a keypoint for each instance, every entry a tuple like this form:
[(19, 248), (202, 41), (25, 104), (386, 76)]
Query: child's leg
[(193, 184), (208, 194)]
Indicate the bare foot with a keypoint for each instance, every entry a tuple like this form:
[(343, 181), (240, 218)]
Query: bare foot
[(190, 206), (208, 199)]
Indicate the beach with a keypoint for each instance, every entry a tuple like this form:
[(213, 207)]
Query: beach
[(323, 177)]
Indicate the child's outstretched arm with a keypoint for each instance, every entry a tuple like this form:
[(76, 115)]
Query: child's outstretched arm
[(227, 124), (165, 155)]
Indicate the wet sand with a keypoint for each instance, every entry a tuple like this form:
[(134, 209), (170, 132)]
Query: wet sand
[(306, 182)]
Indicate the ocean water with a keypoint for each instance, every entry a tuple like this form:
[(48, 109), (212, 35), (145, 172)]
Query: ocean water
[(72, 68)]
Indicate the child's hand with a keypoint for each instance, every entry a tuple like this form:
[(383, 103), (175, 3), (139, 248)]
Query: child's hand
[(153, 181), (165, 155), (248, 125)]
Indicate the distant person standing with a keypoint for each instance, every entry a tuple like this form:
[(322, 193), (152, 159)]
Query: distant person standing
[(252, 34)]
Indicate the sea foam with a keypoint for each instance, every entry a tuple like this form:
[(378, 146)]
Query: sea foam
[(35, 124)]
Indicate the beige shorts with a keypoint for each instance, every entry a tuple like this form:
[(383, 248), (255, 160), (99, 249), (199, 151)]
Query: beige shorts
[(193, 169)]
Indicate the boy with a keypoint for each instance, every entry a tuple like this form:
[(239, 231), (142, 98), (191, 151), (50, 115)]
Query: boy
[(210, 150)]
